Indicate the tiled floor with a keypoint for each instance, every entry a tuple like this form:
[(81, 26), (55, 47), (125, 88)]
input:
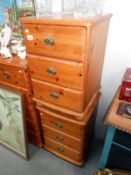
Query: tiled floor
[(44, 163)]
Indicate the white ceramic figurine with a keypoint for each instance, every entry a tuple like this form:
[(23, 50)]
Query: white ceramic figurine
[(18, 48), (5, 36)]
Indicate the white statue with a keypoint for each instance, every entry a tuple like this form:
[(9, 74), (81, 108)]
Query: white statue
[(5, 36), (18, 48), (21, 52)]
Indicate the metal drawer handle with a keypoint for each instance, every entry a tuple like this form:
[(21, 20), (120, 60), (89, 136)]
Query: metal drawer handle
[(54, 95), (59, 138), (6, 74), (51, 71), (58, 125), (60, 149), (49, 42)]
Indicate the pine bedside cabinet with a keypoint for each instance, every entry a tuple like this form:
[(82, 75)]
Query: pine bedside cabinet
[(65, 60)]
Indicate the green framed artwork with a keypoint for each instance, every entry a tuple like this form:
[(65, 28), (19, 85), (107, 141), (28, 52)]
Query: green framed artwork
[(12, 122)]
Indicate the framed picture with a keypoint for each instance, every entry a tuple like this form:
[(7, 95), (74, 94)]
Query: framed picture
[(11, 10), (12, 122)]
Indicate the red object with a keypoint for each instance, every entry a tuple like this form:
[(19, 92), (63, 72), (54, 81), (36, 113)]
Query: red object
[(125, 93)]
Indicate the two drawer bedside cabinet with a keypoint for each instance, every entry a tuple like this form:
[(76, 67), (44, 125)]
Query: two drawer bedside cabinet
[(65, 60), (14, 75)]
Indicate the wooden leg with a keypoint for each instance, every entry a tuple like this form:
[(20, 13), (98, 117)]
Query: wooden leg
[(107, 146)]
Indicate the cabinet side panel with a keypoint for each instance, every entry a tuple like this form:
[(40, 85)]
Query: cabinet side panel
[(95, 58)]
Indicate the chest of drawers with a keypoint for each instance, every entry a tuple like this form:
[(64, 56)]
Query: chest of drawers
[(65, 60), (14, 75)]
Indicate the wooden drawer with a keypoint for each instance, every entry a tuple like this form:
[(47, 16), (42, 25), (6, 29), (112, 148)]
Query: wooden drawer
[(55, 41), (58, 95), (63, 138), (60, 149), (60, 72), (67, 126), (14, 75)]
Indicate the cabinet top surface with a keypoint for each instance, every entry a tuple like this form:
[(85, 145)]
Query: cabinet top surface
[(58, 19), (14, 61)]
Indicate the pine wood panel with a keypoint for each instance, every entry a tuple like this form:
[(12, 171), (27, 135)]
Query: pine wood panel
[(72, 128), (41, 106), (61, 123), (63, 138), (68, 74), (77, 56), (68, 42), (63, 150), (31, 126), (31, 113), (15, 62), (34, 138), (63, 96), (94, 58), (93, 50), (57, 122), (19, 81), (65, 157), (65, 20), (14, 75)]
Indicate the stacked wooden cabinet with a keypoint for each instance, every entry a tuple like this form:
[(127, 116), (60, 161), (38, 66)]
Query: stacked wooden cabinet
[(14, 76), (65, 60)]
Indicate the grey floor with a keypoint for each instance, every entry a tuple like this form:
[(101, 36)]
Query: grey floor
[(44, 163)]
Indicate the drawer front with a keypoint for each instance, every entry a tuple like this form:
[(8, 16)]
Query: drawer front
[(62, 150), (63, 139), (14, 75), (62, 73), (55, 41), (56, 122), (57, 95)]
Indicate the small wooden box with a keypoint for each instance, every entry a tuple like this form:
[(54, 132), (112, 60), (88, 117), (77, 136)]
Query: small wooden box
[(125, 93)]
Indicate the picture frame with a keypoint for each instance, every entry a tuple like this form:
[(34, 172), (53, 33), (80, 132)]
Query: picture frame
[(11, 11), (13, 133)]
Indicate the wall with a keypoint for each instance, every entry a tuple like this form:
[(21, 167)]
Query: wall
[(117, 57)]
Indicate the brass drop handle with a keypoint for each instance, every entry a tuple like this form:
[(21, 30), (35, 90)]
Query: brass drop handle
[(61, 150), (59, 138), (58, 125), (49, 42), (51, 71), (54, 95), (6, 74)]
